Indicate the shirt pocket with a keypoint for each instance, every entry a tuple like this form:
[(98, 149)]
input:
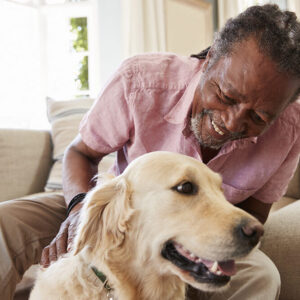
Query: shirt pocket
[(235, 195)]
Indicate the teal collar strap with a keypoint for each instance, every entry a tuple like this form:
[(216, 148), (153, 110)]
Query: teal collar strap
[(103, 278)]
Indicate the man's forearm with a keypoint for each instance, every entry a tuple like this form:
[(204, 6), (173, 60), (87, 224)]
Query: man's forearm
[(78, 172), (80, 165)]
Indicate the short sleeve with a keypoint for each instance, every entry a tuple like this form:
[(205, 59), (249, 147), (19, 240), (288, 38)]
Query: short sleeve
[(107, 125), (277, 185)]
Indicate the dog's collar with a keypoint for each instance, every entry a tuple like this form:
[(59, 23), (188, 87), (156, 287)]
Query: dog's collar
[(103, 279)]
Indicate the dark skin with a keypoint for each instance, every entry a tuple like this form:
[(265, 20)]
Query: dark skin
[(244, 94), (236, 91)]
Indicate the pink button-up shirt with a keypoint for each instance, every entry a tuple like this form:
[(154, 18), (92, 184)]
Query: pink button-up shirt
[(145, 107)]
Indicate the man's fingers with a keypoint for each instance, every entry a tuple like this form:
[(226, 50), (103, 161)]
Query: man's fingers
[(72, 229), (52, 252), (61, 244), (61, 239), (45, 257), (70, 245), (71, 235), (57, 247)]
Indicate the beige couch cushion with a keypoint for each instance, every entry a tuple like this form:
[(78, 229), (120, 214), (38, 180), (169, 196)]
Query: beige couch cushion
[(284, 201)]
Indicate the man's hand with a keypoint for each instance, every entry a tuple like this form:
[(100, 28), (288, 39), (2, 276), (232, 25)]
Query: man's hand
[(80, 165), (63, 241)]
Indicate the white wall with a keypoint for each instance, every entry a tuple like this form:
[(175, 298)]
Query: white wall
[(110, 41), (189, 26)]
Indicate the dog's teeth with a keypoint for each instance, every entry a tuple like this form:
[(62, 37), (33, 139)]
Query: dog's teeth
[(214, 267), (219, 273), (192, 255), (198, 260)]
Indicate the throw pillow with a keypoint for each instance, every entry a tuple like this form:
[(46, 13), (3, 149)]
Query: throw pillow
[(64, 117)]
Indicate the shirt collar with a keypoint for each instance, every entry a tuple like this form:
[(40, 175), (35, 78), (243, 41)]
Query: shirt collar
[(239, 144)]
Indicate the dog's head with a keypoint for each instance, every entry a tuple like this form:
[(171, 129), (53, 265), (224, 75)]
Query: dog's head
[(172, 211)]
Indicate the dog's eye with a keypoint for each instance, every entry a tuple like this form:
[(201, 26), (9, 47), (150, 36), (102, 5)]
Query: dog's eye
[(186, 188)]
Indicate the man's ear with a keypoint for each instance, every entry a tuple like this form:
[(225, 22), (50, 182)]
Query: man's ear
[(207, 60), (104, 216)]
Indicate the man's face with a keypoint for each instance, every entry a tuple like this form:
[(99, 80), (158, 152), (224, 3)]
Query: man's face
[(239, 96)]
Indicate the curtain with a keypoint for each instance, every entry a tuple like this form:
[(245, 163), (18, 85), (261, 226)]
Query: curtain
[(226, 10), (20, 73), (143, 26), (231, 8), (294, 5)]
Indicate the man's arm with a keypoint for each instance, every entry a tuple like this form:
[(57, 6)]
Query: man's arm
[(80, 165), (256, 208)]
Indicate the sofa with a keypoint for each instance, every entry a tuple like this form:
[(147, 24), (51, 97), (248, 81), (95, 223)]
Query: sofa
[(30, 163)]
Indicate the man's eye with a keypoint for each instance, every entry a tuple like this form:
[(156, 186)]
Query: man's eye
[(226, 100), (186, 188), (256, 118)]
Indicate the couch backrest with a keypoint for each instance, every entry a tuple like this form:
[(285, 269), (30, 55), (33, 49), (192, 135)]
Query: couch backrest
[(25, 161)]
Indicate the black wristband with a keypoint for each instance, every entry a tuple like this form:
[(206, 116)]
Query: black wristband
[(76, 199)]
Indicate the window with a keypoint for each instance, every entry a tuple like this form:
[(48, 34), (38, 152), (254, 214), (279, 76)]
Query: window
[(61, 1), (45, 52), (68, 51), (44, 2), (78, 28), (38, 57)]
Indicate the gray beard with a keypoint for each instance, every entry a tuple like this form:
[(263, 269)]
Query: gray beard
[(196, 123)]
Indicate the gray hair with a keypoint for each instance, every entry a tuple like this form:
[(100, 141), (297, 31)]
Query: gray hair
[(277, 34)]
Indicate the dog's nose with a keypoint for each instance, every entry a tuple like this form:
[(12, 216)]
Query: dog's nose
[(251, 231)]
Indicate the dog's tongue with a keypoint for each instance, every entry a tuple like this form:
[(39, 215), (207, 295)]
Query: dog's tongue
[(227, 267)]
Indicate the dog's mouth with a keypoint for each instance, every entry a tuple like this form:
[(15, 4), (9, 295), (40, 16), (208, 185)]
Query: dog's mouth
[(217, 273)]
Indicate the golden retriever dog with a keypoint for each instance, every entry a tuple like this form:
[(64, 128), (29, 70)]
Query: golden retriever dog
[(162, 224)]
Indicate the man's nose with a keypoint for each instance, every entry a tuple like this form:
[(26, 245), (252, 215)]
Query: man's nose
[(235, 119)]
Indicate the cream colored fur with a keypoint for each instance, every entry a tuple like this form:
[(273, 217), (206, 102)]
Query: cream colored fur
[(126, 221)]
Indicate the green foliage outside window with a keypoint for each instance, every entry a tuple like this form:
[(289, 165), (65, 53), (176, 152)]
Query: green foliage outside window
[(83, 77), (79, 29), (80, 44)]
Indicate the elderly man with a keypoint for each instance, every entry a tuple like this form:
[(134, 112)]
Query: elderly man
[(232, 107)]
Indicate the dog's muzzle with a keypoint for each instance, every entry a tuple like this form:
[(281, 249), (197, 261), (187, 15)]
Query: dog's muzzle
[(202, 270)]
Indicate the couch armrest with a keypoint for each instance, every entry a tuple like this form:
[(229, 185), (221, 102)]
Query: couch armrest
[(294, 185), (25, 161), (281, 242)]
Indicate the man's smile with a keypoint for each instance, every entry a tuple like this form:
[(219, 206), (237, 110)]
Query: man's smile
[(209, 132), (218, 133), (217, 129)]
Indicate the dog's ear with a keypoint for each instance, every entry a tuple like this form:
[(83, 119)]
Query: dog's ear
[(104, 216)]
